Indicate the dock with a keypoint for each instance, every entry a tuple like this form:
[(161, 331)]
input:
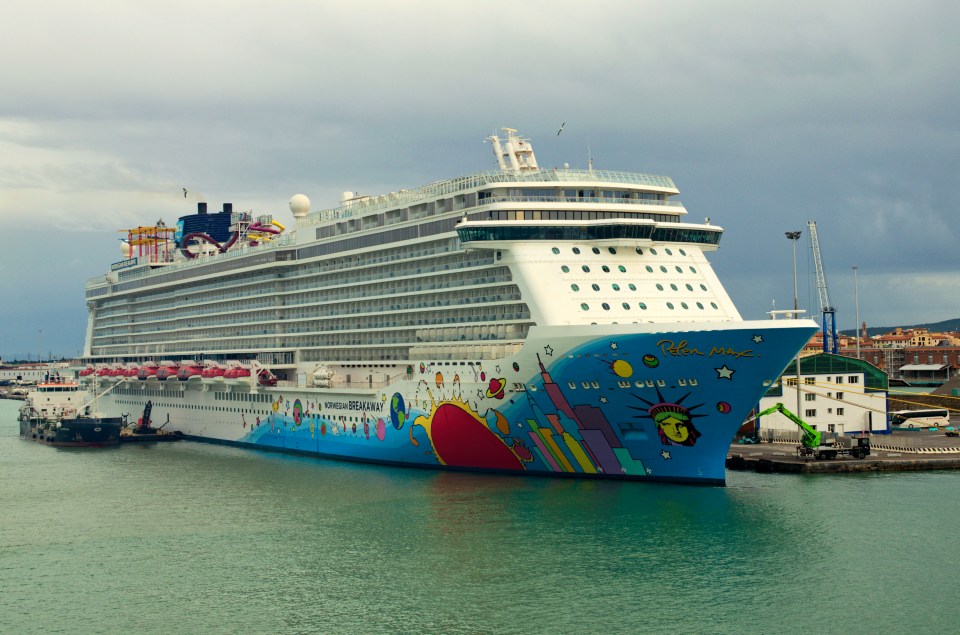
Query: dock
[(898, 452)]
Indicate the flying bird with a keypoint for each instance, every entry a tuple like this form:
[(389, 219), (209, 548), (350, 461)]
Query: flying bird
[(561, 128), (184, 192)]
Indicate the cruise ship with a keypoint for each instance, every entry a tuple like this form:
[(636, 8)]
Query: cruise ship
[(520, 320)]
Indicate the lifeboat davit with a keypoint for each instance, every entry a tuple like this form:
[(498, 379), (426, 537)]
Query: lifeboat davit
[(188, 369), (147, 371)]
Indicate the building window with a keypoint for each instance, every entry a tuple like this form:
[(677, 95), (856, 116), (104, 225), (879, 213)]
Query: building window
[(839, 412), (853, 379), (808, 381), (809, 397), (839, 396), (839, 380), (809, 413)]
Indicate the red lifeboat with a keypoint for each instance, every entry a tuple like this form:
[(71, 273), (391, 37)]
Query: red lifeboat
[(212, 372), (188, 370), (266, 378), (86, 372), (166, 371), (236, 372), (103, 372), (119, 371), (131, 371), (147, 371)]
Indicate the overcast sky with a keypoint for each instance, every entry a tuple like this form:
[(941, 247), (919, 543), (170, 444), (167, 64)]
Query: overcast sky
[(765, 114)]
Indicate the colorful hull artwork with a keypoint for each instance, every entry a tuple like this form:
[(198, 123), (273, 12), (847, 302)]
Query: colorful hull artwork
[(657, 406)]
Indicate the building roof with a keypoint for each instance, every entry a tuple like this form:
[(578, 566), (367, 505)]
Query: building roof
[(828, 364), (921, 367)]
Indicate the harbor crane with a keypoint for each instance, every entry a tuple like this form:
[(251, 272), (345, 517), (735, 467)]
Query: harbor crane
[(829, 314)]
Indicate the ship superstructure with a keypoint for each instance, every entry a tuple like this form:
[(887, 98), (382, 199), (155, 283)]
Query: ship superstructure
[(520, 319)]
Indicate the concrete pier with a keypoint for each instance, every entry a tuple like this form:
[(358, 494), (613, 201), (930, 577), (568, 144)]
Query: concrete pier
[(899, 452)]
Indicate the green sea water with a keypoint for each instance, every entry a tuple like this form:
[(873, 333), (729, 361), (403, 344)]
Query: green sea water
[(196, 538)]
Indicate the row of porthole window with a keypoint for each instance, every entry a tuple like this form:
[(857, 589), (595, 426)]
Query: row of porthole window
[(633, 287), (614, 286), (613, 250), (622, 269), (664, 269), (643, 306), (648, 383), (586, 269)]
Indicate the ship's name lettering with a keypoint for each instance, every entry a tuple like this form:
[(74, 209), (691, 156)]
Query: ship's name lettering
[(682, 349), (355, 405)]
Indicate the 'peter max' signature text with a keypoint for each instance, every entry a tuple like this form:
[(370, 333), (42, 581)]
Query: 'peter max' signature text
[(681, 349)]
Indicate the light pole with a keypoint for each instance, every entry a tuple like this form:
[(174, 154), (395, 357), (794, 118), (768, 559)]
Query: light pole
[(856, 304), (794, 237)]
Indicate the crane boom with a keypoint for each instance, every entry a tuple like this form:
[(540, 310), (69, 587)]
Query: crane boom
[(811, 436), (828, 312)]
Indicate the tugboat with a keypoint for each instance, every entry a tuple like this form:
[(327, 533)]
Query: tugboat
[(144, 432), (51, 414)]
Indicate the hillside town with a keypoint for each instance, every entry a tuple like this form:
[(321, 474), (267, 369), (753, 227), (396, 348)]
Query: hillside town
[(914, 357)]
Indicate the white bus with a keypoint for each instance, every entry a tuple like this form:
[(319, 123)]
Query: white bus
[(928, 418)]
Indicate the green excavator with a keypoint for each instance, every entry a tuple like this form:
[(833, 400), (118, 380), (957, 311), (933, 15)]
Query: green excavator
[(810, 443)]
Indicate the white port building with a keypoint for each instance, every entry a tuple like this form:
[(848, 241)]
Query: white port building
[(837, 394)]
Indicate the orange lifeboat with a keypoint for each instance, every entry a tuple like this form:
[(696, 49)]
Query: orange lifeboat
[(147, 371), (188, 369), (236, 371), (266, 378), (212, 371), (166, 370)]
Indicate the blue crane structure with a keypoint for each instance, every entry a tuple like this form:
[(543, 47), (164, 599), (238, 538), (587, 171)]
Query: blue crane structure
[(829, 312)]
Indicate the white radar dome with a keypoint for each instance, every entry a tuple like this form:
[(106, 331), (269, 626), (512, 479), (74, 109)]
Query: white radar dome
[(126, 249), (299, 205)]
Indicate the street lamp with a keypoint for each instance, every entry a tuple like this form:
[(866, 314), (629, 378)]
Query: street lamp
[(794, 237), (856, 304)]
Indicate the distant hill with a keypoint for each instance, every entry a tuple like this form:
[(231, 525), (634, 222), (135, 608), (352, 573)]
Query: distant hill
[(934, 327)]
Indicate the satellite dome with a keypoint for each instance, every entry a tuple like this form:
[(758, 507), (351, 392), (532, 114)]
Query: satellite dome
[(299, 205), (126, 249)]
